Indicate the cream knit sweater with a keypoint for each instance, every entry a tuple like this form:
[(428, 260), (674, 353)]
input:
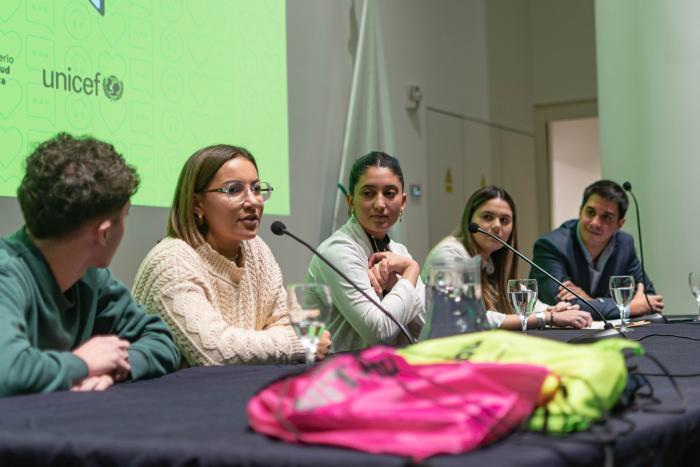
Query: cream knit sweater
[(219, 312)]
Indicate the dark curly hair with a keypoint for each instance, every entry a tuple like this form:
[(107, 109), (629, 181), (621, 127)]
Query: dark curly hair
[(69, 181)]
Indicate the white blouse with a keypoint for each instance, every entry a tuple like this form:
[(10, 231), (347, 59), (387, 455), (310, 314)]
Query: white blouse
[(356, 323)]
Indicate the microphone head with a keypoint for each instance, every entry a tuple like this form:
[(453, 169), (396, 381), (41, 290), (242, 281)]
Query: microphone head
[(627, 186), (473, 227), (278, 228)]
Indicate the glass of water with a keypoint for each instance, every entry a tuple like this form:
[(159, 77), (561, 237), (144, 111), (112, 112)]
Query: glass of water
[(694, 282), (622, 289), (523, 296), (309, 306)]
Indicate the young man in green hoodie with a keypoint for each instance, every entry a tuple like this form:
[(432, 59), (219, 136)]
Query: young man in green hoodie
[(65, 322)]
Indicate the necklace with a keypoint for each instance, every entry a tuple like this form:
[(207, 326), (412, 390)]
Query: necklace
[(235, 257), (379, 245), (374, 243)]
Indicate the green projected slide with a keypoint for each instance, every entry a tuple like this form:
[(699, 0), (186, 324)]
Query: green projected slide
[(159, 79)]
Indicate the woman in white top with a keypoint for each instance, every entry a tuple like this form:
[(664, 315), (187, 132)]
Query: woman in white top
[(380, 266), (493, 210)]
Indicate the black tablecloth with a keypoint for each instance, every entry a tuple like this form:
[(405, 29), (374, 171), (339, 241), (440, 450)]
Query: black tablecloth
[(197, 417)]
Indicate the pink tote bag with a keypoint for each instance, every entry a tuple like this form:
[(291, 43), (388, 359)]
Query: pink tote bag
[(377, 402)]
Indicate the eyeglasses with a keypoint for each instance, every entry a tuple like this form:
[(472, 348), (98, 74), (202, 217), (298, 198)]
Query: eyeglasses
[(238, 191)]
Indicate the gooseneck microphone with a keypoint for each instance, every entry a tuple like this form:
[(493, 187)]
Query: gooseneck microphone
[(628, 187), (278, 228), (609, 328)]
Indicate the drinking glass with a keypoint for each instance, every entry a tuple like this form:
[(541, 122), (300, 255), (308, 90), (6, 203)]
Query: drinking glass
[(309, 306), (694, 282), (622, 290), (523, 296)]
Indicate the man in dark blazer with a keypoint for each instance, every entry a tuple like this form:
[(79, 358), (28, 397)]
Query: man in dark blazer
[(584, 253)]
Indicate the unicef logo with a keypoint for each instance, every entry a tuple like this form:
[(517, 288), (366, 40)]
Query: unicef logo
[(113, 87), (89, 85)]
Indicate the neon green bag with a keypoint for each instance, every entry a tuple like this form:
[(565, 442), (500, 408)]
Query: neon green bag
[(591, 376)]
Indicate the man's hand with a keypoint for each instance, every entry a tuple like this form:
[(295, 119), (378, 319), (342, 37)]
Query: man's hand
[(94, 383), (105, 355), (572, 317), (639, 305), (562, 306), (324, 345), (565, 295)]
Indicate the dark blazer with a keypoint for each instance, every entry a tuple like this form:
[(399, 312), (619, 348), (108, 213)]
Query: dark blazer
[(560, 253)]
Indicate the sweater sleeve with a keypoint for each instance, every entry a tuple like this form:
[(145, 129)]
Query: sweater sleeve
[(152, 351), (24, 368), (271, 285), (176, 287), (365, 318)]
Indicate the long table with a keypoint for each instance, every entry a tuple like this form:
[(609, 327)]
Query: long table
[(197, 417)]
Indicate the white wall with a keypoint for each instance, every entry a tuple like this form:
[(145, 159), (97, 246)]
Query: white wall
[(648, 68), (575, 157), (10, 215), (563, 51), (509, 39), (564, 83)]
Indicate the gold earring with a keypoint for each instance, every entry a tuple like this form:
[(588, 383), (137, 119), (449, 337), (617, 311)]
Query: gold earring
[(199, 218)]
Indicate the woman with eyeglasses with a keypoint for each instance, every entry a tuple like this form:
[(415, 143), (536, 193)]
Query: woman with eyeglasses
[(212, 279), (379, 265)]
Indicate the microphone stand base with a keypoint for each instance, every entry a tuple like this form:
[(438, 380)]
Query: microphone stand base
[(594, 336)]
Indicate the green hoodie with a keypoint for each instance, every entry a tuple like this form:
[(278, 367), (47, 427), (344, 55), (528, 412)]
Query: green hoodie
[(40, 325)]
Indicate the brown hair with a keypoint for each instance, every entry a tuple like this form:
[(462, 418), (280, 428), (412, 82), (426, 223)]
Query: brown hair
[(495, 293), (609, 190), (195, 176), (69, 181)]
